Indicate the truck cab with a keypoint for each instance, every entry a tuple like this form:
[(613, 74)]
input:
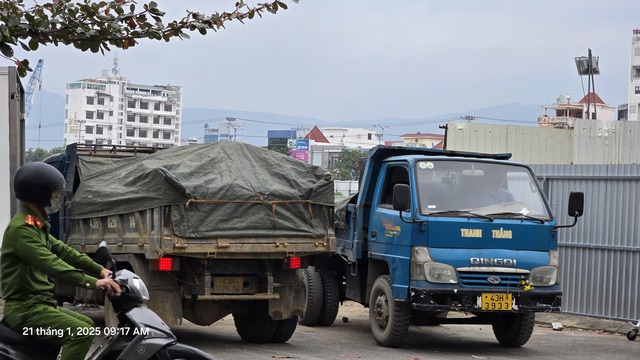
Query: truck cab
[(435, 231)]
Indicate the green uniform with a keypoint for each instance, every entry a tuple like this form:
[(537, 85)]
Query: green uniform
[(30, 260)]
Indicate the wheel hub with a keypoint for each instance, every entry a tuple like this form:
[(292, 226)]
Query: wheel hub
[(381, 311)]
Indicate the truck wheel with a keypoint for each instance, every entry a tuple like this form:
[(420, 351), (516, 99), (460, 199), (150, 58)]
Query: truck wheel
[(389, 319), (313, 308), (513, 330), (255, 326), (330, 299), (285, 330)]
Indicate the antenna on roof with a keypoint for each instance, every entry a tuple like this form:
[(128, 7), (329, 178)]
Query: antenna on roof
[(114, 71)]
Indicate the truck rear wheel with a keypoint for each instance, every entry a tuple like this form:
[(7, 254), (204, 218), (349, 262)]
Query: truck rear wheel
[(285, 330), (513, 330), (255, 326), (315, 295), (330, 299), (389, 319)]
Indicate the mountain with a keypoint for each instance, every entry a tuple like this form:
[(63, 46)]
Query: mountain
[(45, 126)]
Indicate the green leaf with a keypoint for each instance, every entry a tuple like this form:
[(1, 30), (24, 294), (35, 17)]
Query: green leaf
[(25, 47), (6, 50), (33, 44)]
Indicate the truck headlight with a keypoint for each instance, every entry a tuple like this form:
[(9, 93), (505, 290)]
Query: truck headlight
[(424, 268), (544, 276), (440, 273)]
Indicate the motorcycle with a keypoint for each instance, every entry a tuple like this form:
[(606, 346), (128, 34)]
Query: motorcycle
[(140, 335)]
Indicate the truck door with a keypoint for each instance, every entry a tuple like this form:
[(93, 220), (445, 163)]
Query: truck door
[(389, 236)]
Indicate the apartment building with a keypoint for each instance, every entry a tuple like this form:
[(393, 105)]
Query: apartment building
[(111, 110)]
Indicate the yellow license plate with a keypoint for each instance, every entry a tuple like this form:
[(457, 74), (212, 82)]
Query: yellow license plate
[(498, 302), (228, 285)]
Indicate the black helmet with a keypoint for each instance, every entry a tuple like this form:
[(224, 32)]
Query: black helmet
[(35, 182)]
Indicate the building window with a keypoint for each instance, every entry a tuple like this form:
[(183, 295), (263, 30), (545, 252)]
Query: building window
[(144, 119), (142, 133), (131, 104), (168, 107), (88, 142), (131, 132), (99, 130), (637, 89), (166, 135), (156, 134), (131, 118), (156, 120), (636, 71), (156, 106), (144, 105), (167, 120), (88, 129), (100, 115), (89, 114), (637, 50), (100, 101), (90, 100)]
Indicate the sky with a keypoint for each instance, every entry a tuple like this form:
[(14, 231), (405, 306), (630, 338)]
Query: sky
[(343, 60)]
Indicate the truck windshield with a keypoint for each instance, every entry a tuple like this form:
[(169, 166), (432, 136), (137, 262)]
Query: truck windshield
[(472, 188)]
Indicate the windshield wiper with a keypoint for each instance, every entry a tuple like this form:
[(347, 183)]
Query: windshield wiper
[(469, 214), (517, 214)]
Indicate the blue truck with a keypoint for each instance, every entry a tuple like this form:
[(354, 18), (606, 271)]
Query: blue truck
[(442, 237)]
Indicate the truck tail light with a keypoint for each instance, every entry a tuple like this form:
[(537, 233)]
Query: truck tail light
[(295, 262), (164, 264)]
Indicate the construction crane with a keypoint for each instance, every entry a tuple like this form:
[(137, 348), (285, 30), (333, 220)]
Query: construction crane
[(34, 85)]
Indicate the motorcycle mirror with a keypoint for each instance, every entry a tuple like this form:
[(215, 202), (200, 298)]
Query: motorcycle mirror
[(103, 257)]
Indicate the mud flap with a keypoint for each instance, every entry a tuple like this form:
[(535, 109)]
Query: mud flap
[(292, 293)]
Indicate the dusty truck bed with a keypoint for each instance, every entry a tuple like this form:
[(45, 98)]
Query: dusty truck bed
[(150, 232)]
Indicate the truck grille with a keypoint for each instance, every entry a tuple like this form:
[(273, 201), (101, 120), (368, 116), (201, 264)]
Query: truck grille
[(490, 279)]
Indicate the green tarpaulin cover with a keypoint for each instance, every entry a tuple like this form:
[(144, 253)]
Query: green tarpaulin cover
[(227, 189)]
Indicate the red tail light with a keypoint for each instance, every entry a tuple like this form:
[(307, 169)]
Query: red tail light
[(165, 264), (295, 262)]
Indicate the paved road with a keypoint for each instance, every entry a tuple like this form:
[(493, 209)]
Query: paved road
[(352, 340)]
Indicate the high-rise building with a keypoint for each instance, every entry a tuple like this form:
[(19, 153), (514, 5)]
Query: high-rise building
[(111, 110), (633, 109)]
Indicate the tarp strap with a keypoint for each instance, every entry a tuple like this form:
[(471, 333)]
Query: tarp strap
[(273, 204)]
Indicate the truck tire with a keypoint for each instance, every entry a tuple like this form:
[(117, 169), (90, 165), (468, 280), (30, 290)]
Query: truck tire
[(513, 330), (255, 326), (315, 297), (285, 330), (389, 319), (330, 299)]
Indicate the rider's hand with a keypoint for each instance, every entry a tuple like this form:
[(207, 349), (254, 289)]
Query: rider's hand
[(105, 273), (110, 286)]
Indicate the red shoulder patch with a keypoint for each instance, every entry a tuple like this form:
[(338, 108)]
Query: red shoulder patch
[(30, 220)]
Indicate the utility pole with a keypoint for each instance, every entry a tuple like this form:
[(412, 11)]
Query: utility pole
[(381, 135), (231, 123)]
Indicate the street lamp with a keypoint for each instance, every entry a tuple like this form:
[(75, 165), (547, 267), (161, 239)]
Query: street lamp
[(588, 65), (381, 136)]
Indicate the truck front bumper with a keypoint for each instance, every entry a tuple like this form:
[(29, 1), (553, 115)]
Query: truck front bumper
[(469, 300)]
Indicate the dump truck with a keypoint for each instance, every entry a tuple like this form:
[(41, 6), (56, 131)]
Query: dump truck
[(212, 229), (442, 237)]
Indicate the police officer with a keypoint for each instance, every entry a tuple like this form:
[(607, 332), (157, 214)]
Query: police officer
[(31, 257)]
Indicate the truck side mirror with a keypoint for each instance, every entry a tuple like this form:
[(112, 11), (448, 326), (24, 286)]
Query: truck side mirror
[(576, 203), (401, 197), (576, 208)]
